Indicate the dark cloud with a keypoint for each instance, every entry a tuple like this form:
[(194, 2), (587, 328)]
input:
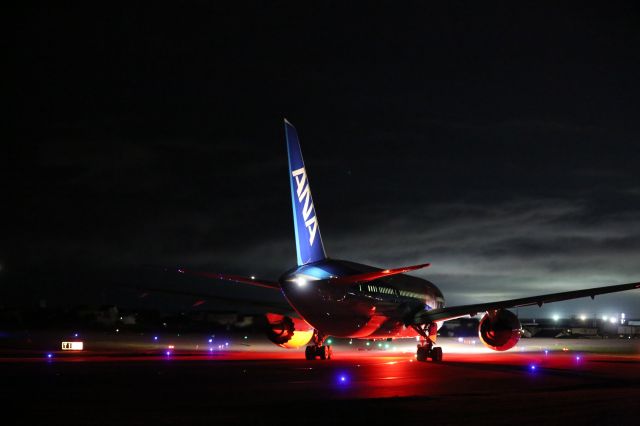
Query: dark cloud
[(500, 144)]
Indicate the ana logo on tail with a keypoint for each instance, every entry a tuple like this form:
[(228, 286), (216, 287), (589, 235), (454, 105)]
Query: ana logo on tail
[(304, 194)]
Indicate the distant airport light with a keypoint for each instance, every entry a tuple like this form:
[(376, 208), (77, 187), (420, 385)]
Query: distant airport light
[(583, 317), (329, 341), (72, 346), (171, 346), (532, 367), (546, 352), (577, 358), (605, 317), (49, 356), (613, 320), (168, 353), (253, 277), (555, 317), (343, 379), (155, 337), (75, 334), (226, 343), (210, 340), (460, 340)]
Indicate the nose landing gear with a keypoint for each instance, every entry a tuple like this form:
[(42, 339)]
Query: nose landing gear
[(318, 350), (426, 348)]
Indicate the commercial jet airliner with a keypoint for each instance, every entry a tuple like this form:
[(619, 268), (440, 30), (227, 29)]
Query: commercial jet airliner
[(346, 299)]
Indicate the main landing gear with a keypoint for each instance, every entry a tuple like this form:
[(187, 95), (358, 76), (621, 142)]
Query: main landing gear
[(426, 348), (318, 349)]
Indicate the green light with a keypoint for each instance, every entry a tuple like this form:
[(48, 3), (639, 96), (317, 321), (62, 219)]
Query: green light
[(368, 343), (379, 345), (329, 341), (386, 346)]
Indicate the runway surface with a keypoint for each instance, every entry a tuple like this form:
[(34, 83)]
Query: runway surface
[(544, 382)]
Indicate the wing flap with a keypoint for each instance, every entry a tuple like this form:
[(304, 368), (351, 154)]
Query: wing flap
[(447, 313)]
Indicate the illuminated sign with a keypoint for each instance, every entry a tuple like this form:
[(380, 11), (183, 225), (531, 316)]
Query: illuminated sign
[(72, 346)]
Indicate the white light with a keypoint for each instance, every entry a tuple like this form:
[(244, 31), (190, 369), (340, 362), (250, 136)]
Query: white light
[(555, 317), (604, 318), (614, 320), (301, 281), (253, 277), (583, 317), (622, 315)]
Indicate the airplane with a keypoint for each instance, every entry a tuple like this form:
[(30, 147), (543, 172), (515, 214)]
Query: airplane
[(345, 299)]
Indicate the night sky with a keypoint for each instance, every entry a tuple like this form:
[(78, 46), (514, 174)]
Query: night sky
[(501, 144)]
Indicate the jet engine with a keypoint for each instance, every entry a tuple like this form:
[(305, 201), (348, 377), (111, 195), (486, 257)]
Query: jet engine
[(288, 332), (500, 330)]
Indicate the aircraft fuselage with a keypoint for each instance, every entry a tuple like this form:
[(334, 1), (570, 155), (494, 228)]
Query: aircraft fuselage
[(373, 309)]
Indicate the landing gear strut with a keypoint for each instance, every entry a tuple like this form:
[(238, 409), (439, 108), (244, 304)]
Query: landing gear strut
[(318, 349), (426, 348)]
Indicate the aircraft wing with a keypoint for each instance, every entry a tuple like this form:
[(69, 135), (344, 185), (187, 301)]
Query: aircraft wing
[(451, 312), (202, 298)]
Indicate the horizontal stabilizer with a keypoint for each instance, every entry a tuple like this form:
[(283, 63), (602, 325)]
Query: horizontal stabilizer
[(236, 278), (370, 276)]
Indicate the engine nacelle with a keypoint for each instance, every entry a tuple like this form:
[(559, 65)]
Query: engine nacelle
[(500, 330), (288, 332)]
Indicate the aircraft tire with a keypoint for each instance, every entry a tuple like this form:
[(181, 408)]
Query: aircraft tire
[(324, 352), (421, 354), (310, 353), (436, 354)]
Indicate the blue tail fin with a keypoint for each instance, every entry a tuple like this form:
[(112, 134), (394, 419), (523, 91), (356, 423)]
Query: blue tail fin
[(309, 247)]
